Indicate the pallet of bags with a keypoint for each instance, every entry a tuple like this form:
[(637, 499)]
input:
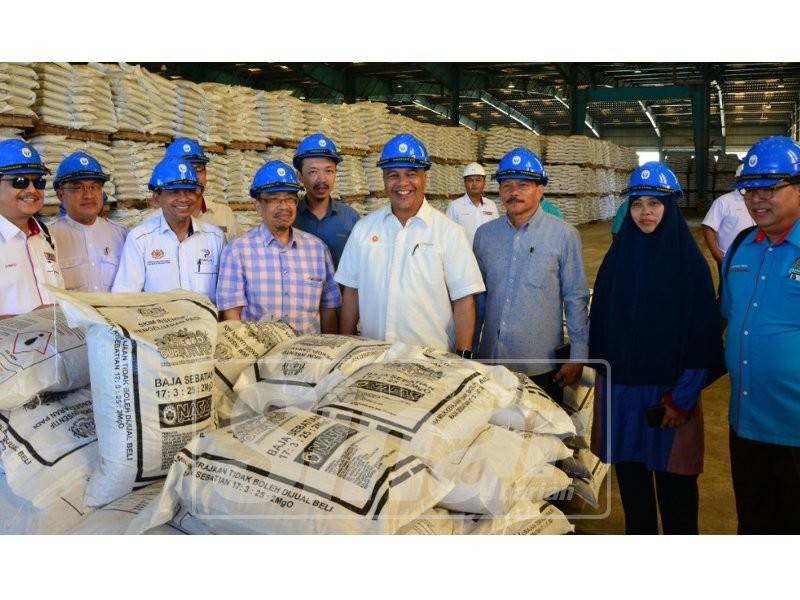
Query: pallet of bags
[(18, 85)]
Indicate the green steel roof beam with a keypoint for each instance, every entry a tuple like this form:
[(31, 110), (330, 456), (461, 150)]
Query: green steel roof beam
[(510, 112), (443, 111)]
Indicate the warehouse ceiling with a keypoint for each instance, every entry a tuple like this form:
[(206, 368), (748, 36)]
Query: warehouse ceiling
[(538, 94)]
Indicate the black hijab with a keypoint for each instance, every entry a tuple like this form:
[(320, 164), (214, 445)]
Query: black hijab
[(654, 311)]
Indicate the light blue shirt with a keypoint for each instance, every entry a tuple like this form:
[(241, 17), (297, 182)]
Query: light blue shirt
[(534, 276), (761, 300)]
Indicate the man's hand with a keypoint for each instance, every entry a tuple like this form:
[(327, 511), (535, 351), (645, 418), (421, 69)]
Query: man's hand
[(672, 418), (568, 374)]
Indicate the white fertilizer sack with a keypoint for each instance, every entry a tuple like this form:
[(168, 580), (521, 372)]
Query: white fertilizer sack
[(527, 518), (438, 521), (40, 353), (533, 410), (499, 469), (435, 410), (48, 444), (295, 472), (300, 371), (18, 516), (239, 345), (152, 366)]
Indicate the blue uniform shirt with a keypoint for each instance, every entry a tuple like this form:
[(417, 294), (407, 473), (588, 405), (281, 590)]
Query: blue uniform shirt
[(761, 300), (534, 277), (333, 229)]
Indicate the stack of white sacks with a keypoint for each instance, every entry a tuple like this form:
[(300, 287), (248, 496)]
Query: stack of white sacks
[(242, 166), (217, 178), (132, 105), (284, 116), (54, 148), (374, 120), (498, 141), (324, 118), (74, 96), (18, 84), (133, 164), (725, 174), (163, 102), (229, 125), (352, 135), (351, 180), (190, 119), (373, 173)]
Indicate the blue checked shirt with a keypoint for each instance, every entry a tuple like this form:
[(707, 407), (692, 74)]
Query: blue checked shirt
[(276, 283), (533, 276)]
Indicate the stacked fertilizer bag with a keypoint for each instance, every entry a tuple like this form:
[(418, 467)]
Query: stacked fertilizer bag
[(131, 103), (163, 102), (18, 84), (133, 164), (338, 434)]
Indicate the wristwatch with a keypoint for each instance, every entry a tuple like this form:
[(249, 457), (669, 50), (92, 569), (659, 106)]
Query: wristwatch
[(464, 354)]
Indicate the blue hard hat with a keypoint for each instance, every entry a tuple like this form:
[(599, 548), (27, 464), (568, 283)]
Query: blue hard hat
[(187, 149), (652, 179), (316, 146), (78, 165), (20, 158), (404, 151), (174, 174), (521, 163), (274, 176), (769, 161)]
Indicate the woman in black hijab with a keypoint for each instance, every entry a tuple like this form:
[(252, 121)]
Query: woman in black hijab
[(655, 319)]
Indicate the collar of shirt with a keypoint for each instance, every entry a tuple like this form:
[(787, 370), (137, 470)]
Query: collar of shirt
[(465, 199), (423, 215), (75, 225), (294, 241), (194, 225), (8, 230), (532, 223), (303, 207), (792, 234)]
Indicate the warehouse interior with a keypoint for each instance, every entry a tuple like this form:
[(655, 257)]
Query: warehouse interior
[(592, 123)]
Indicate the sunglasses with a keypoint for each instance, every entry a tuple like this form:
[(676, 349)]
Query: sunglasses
[(20, 182)]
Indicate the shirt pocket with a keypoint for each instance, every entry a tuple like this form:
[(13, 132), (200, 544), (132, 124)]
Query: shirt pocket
[(541, 270), (74, 271), (426, 264), (108, 269), (307, 290)]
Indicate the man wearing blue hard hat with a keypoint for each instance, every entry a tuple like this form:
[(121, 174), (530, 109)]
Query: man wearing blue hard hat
[(532, 264), (276, 272), (760, 299), (89, 246), (207, 210), (318, 212), (172, 250), (408, 271), (28, 258)]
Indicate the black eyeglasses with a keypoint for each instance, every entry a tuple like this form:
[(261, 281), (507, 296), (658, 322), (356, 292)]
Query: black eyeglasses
[(20, 182)]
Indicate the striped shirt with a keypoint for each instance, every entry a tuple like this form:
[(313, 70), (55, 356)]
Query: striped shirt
[(277, 283)]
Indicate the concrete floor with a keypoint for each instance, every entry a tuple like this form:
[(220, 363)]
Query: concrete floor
[(717, 508)]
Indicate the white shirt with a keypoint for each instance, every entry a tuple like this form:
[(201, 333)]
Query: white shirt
[(469, 216), (406, 277), (153, 260), (27, 263), (222, 216), (727, 217), (88, 254)]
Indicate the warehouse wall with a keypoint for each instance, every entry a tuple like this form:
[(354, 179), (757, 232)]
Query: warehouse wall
[(739, 138)]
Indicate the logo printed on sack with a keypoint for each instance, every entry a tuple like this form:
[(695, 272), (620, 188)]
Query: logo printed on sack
[(84, 161), (320, 449), (293, 368), (184, 344), (187, 412), (83, 427), (152, 311), (389, 389), (26, 152), (753, 160), (31, 341), (157, 254)]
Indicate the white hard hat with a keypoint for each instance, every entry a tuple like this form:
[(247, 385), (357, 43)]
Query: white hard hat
[(474, 169)]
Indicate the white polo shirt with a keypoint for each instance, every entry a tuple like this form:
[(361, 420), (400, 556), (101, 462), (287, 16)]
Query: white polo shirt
[(27, 264), (406, 277), (469, 216), (727, 217), (222, 216), (153, 260), (88, 254)]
